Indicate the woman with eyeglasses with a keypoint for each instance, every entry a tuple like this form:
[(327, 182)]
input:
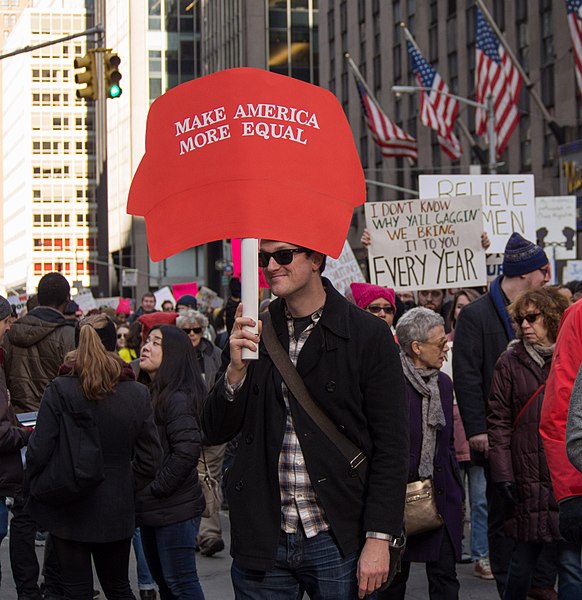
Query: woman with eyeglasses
[(377, 300), (516, 455), (429, 393), (169, 509)]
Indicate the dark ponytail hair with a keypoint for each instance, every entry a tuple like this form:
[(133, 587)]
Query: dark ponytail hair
[(179, 372)]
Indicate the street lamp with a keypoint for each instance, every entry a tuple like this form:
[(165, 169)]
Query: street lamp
[(489, 107)]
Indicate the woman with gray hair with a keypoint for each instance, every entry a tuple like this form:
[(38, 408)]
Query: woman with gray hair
[(194, 323), (429, 393)]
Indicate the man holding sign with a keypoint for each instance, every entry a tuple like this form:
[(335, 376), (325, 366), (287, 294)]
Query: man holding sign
[(302, 518)]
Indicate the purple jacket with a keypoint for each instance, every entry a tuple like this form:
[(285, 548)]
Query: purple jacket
[(425, 547)]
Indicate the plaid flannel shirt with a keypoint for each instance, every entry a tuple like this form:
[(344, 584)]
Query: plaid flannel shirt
[(298, 499)]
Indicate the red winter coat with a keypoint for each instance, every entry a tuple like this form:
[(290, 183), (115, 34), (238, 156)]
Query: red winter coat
[(516, 453), (566, 480)]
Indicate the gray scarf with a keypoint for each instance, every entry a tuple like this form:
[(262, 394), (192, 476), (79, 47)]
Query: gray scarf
[(425, 382), (538, 353)]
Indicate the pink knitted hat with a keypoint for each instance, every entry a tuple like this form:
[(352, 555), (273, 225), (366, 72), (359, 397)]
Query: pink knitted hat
[(123, 306), (366, 293)]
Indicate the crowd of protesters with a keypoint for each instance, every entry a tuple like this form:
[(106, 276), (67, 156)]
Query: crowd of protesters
[(142, 377)]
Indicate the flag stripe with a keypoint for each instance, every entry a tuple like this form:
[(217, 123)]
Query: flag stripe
[(574, 8)]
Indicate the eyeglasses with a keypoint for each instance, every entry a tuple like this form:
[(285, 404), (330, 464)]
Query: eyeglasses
[(121, 335), (440, 344), (376, 308), (544, 270), (282, 257), (530, 318), (196, 330)]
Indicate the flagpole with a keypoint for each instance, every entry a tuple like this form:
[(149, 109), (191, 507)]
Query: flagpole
[(552, 124), (472, 141)]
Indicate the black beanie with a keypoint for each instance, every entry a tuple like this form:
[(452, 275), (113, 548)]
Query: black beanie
[(107, 335)]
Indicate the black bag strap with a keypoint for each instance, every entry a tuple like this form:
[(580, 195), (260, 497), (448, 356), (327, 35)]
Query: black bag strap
[(355, 457)]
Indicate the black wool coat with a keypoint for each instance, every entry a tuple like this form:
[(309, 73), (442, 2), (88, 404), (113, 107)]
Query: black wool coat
[(480, 338), (131, 455), (350, 364)]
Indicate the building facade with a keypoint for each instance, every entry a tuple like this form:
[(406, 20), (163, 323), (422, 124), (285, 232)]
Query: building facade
[(537, 31), (48, 152)]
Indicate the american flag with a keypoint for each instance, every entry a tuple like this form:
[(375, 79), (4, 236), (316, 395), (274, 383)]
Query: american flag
[(495, 76), (575, 21), (393, 141), (437, 110)]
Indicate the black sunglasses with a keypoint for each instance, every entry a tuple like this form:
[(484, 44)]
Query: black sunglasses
[(120, 335), (189, 330), (282, 257), (375, 309), (531, 318)]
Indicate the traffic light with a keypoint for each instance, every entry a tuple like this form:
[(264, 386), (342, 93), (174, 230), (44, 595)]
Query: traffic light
[(87, 77), (111, 63)]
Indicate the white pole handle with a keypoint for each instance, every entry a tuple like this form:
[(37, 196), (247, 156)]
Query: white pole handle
[(250, 287)]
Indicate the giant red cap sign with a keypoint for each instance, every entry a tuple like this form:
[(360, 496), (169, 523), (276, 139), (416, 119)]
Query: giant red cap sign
[(247, 153)]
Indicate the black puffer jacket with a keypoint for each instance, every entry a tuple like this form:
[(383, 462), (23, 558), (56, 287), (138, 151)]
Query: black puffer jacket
[(516, 452), (175, 495)]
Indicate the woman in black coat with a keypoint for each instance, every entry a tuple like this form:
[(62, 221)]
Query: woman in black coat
[(423, 344), (96, 384), (169, 509)]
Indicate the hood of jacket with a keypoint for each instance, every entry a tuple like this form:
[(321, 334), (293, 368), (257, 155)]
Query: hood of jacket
[(36, 325)]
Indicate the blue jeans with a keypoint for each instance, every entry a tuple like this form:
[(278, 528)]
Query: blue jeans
[(171, 555), (145, 581), (313, 565), (478, 501), (523, 563)]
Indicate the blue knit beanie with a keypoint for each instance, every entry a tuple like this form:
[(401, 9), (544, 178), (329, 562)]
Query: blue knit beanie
[(521, 256)]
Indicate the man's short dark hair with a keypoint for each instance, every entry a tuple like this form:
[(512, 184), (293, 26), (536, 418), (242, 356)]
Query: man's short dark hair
[(148, 295), (53, 290)]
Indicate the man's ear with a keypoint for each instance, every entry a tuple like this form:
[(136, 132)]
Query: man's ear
[(317, 260)]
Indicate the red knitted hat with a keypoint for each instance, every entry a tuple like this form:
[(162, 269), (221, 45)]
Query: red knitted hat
[(366, 293)]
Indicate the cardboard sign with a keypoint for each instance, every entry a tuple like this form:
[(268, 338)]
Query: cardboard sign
[(19, 302), (86, 301), (344, 270), (110, 302), (572, 271), (556, 226), (425, 244), (162, 295), (251, 154), (494, 267), (208, 298), (508, 202)]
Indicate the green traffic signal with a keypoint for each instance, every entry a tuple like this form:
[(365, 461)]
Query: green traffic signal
[(111, 62)]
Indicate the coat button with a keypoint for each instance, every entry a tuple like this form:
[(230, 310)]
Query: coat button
[(249, 438), (255, 389), (440, 492), (239, 486), (330, 386), (438, 469)]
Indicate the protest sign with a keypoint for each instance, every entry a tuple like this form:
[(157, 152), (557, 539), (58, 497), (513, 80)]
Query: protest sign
[(424, 244), (572, 271), (19, 302), (494, 266), (508, 202), (162, 295), (556, 226), (343, 270), (181, 289), (208, 298), (109, 302), (86, 301)]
